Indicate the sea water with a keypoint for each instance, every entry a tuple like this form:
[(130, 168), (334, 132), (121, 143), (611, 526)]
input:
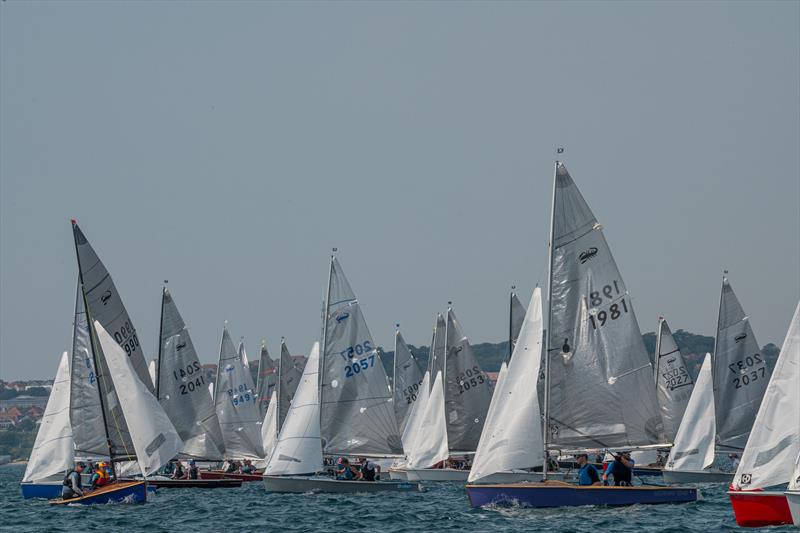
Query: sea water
[(443, 507)]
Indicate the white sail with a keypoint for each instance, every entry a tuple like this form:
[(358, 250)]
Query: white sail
[(672, 379), (288, 380), (151, 369), (85, 411), (267, 379), (693, 448), (512, 435), (299, 446), (415, 415), (52, 450), (430, 442), (600, 377), (774, 443), (467, 390), (269, 429), (154, 438), (236, 405), (356, 399), (741, 374), (794, 484), (407, 379), (181, 387), (105, 304)]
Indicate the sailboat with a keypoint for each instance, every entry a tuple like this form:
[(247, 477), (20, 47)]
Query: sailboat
[(672, 379), (770, 457), (599, 390), (267, 379), (287, 380), (343, 405), (407, 379), (511, 441), (739, 378), (516, 317), (237, 409), (465, 403)]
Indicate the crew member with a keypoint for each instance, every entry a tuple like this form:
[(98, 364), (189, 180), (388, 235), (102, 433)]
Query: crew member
[(622, 470), (193, 472), (369, 471), (71, 486), (587, 475), (100, 477)]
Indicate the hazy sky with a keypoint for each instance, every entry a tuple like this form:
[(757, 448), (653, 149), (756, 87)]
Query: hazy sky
[(228, 146)]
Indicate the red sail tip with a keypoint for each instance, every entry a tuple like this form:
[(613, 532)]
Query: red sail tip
[(74, 222)]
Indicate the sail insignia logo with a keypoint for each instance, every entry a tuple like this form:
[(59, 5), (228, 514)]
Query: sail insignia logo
[(180, 346), (106, 297), (342, 317), (587, 254), (740, 337)]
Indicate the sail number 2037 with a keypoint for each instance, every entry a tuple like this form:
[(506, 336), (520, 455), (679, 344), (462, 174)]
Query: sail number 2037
[(744, 372)]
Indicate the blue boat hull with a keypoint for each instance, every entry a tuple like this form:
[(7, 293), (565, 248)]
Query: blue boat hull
[(118, 492), (559, 494), (43, 489)]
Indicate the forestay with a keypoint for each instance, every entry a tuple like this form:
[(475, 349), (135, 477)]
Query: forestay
[(512, 435), (299, 446), (288, 380), (182, 388), (52, 450), (407, 379), (235, 403), (672, 379), (356, 401), (774, 442), (467, 391), (740, 372), (154, 438), (693, 448), (85, 410), (430, 438), (105, 304), (267, 379), (601, 380)]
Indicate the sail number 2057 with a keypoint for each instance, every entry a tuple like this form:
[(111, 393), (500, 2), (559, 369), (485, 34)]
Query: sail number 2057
[(356, 367)]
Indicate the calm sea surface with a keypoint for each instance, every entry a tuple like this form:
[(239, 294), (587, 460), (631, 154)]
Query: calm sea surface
[(443, 507)]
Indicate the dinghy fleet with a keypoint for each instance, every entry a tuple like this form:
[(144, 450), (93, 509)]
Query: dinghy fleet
[(576, 380)]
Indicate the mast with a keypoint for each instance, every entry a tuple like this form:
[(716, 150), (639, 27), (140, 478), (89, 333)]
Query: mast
[(160, 340), (714, 353), (657, 358), (546, 433), (278, 386), (394, 363), (510, 322)]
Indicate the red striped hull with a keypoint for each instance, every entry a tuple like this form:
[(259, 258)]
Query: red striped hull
[(760, 508)]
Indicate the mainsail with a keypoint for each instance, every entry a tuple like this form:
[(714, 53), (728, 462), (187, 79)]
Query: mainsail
[(299, 447), (269, 429), (512, 435), (516, 316), (153, 435), (356, 399), (407, 379), (235, 402), (85, 410), (105, 304), (740, 372), (415, 414), (693, 447), (182, 388), (288, 380), (601, 391), (467, 391), (53, 448), (672, 379), (774, 444), (267, 379)]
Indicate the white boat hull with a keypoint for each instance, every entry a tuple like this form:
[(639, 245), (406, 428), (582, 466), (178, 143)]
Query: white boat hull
[(793, 499), (517, 476), (672, 477), (436, 474), (300, 485), (397, 474)]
